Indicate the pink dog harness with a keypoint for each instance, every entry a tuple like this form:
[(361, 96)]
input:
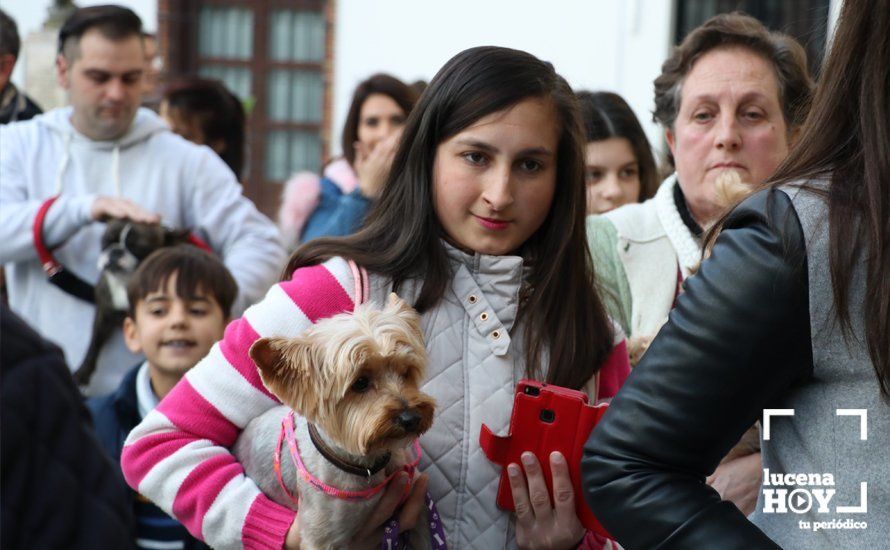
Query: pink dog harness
[(391, 529), (288, 425)]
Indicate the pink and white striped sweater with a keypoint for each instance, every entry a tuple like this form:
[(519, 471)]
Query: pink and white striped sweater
[(179, 455)]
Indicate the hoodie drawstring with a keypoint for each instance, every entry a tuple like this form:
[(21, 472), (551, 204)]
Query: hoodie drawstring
[(66, 155), (115, 166)]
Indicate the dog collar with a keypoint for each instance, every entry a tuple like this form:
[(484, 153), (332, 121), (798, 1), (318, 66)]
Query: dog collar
[(287, 433), (347, 467), (58, 275)]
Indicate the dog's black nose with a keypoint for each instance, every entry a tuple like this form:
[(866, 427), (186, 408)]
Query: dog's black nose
[(409, 420)]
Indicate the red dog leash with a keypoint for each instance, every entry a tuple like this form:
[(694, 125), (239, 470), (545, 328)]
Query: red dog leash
[(58, 275), (56, 272)]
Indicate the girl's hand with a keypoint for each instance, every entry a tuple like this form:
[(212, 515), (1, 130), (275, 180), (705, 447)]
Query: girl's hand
[(538, 524), (738, 481), (371, 535), (292, 539), (372, 164)]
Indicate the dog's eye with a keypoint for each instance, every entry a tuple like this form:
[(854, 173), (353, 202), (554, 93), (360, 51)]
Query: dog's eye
[(361, 385)]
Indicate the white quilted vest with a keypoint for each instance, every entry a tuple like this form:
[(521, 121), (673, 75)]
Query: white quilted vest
[(476, 358)]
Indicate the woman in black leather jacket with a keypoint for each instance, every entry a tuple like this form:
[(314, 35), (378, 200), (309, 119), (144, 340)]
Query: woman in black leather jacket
[(791, 312)]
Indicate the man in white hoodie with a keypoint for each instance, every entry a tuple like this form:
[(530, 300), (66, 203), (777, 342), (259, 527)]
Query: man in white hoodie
[(104, 157)]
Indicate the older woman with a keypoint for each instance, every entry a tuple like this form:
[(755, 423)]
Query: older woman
[(730, 98), (790, 312)]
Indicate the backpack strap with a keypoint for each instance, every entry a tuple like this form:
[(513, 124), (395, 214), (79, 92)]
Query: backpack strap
[(360, 277)]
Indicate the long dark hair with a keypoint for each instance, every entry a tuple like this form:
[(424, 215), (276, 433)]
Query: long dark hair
[(846, 140), (404, 95), (564, 318), (606, 115), (217, 111)]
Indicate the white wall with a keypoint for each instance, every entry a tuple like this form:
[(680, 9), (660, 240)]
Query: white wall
[(29, 16), (615, 45)]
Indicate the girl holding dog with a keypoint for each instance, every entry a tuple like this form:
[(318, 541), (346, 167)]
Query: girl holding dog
[(487, 190)]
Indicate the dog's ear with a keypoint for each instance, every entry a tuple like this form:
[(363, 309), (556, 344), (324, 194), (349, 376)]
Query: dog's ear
[(112, 233), (401, 308), (285, 366), (175, 236)]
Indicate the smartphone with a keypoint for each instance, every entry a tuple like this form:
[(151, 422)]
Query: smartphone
[(545, 418)]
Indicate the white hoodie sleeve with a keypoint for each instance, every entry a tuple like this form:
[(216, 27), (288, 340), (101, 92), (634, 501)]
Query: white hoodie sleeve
[(248, 242), (18, 208)]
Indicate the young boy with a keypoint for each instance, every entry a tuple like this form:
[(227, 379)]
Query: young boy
[(180, 301)]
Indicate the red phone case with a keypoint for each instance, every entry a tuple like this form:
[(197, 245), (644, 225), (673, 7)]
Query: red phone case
[(546, 418)]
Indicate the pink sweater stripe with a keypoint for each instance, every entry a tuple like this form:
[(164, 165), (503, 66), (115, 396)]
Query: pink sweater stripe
[(327, 297), (200, 487), (269, 527), (143, 454), (318, 292), (615, 370), (235, 346), (197, 417)]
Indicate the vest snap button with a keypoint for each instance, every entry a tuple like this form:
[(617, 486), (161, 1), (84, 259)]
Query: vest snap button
[(496, 334), (484, 317), (472, 299)]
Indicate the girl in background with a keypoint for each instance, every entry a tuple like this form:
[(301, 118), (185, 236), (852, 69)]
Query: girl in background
[(620, 166), (487, 189), (337, 203), (204, 111)]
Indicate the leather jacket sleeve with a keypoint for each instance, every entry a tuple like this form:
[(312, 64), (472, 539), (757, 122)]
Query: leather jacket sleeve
[(738, 339)]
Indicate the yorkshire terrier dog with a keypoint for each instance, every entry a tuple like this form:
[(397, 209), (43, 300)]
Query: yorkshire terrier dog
[(124, 244), (352, 410), (731, 189)]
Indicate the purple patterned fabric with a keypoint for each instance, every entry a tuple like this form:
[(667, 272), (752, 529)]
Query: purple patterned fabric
[(437, 532)]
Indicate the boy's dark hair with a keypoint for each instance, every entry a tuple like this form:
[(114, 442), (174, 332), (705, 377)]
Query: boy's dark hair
[(10, 43), (114, 22), (216, 110), (195, 269)]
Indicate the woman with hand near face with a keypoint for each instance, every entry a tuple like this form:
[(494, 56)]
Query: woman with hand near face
[(620, 166), (336, 205), (730, 98)]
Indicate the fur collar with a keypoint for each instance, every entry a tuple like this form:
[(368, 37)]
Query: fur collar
[(688, 248)]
